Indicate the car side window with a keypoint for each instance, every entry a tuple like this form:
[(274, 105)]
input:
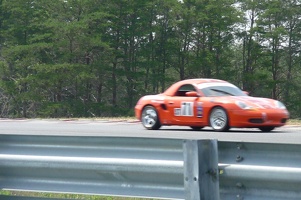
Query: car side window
[(183, 89)]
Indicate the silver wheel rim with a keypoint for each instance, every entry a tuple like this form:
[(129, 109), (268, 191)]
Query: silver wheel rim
[(218, 119), (149, 117)]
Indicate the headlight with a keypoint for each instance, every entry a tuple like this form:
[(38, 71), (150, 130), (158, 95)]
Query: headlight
[(280, 105), (243, 105)]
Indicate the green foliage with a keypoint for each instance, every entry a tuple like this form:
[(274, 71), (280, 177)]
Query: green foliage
[(87, 58)]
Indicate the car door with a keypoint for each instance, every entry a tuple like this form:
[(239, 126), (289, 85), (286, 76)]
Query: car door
[(185, 110)]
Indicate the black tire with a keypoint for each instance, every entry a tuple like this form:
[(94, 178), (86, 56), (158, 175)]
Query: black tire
[(150, 118), (219, 119), (266, 128), (196, 128)]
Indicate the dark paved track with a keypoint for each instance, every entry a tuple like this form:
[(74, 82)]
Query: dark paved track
[(286, 134)]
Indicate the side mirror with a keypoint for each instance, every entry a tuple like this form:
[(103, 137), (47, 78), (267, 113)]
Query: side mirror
[(191, 94)]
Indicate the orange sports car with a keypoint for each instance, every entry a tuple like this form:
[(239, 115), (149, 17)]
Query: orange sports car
[(209, 102)]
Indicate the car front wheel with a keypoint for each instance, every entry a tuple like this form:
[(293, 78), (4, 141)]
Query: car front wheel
[(150, 119), (219, 120)]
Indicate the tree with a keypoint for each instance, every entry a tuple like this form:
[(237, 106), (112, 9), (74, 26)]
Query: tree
[(21, 44), (273, 34), (292, 25), (83, 58)]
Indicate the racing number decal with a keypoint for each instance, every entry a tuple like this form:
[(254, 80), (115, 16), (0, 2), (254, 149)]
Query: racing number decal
[(185, 110)]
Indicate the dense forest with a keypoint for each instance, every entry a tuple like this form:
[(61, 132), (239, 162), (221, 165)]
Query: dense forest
[(91, 58)]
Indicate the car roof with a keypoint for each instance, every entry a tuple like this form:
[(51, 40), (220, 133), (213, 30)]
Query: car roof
[(199, 80), (171, 90)]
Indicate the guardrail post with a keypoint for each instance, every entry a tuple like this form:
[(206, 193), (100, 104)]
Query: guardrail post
[(201, 177)]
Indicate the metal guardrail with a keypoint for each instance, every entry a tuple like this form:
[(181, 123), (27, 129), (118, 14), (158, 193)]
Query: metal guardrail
[(152, 168), (259, 171), (137, 167)]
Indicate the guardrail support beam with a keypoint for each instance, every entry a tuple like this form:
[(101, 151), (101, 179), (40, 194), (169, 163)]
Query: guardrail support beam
[(201, 177)]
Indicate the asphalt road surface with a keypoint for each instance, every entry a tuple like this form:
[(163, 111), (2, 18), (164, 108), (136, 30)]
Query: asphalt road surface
[(103, 128)]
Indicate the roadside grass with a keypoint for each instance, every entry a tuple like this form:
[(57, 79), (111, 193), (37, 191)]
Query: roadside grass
[(126, 118), (294, 122), (63, 196)]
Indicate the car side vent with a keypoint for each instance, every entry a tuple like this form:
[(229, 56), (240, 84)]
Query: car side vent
[(163, 106)]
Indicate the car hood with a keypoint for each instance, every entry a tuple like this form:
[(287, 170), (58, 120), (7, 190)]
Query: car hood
[(255, 102)]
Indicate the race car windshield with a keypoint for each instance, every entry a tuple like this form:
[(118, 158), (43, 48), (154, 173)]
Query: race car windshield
[(215, 91)]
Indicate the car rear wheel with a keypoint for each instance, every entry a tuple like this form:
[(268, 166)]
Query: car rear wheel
[(150, 119), (267, 129), (219, 120)]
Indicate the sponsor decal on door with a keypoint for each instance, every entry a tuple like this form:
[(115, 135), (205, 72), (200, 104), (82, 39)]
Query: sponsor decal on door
[(185, 110)]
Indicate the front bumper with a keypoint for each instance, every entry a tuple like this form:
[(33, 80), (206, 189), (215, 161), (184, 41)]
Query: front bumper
[(258, 118), (138, 111)]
